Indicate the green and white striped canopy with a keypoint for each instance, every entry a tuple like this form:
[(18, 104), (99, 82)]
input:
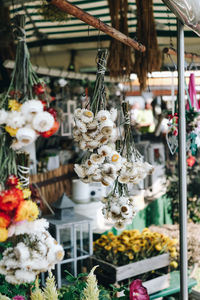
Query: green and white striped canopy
[(43, 32)]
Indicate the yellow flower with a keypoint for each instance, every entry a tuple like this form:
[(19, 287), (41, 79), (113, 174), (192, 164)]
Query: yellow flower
[(173, 254), (14, 105), (101, 243), (11, 130), (26, 193), (27, 210), (130, 256), (121, 248), (158, 247), (172, 249), (145, 230), (174, 264), (110, 234), (108, 247), (104, 237), (3, 234), (136, 248)]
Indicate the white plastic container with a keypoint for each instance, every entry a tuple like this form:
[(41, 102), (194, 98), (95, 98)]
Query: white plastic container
[(80, 191)]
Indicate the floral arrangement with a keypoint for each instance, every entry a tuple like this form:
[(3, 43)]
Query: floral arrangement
[(132, 245), (33, 251), (113, 166), (22, 119)]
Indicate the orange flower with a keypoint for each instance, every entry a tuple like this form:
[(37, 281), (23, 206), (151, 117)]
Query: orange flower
[(27, 210), (3, 234), (10, 199), (4, 220)]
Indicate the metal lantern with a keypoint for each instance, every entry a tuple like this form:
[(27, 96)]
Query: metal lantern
[(74, 233)]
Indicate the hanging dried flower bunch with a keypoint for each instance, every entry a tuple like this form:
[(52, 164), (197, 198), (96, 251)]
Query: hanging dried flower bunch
[(52, 13), (120, 61), (150, 60)]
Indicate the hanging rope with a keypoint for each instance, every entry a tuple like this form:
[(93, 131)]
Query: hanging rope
[(146, 33)]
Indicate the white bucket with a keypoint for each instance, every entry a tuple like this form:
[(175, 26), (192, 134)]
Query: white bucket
[(80, 191)]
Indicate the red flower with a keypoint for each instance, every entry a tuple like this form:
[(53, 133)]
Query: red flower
[(39, 89), (138, 291), (12, 180), (53, 112), (4, 220), (51, 131), (191, 161), (10, 199)]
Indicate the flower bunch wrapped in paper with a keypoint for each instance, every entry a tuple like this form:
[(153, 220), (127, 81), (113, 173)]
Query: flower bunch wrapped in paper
[(133, 245)]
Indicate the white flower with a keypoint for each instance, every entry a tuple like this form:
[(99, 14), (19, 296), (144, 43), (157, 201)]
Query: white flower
[(25, 227), (115, 157), (109, 170), (21, 252), (12, 279), (104, 150), (107, 180), (24, 276), (104, 140), (115, 209), (80, 170), (83, 145), (43, 121), (103, 115), (16, 145), (3, 116), (97, 159), (107, 127), (55, 254), (26, 135), (148, 168), (92, 126), (31, 107), (81, 126), (91, 170), (122, 201), (92, 144), (15, 119), (77, 113), (87, 179), (86, 137), (125, 209), (97, 176), (113, 114), (87, 116), (123, 179), (119, 225)]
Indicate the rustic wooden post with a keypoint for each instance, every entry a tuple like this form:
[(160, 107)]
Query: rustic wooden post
[(90, 20)]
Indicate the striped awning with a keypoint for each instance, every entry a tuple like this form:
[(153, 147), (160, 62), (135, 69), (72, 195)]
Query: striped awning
[(42, 32)]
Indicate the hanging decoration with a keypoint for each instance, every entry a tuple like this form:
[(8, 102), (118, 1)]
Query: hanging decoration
[(23, 118), (120, 61), (52, 13), (192, 122), (146, 33), (116, 167), (24, 110)]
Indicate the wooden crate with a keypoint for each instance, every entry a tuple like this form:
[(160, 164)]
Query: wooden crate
[(108, 273)]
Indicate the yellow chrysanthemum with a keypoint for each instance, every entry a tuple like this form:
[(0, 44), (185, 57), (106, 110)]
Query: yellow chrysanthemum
[(14, 105), (174, 264), (11, 130), (136, 248), (27, 210), (3, 234), (108, 247), (26, 193), (158, 247), (130, 256), (173, 254), (121, 248)]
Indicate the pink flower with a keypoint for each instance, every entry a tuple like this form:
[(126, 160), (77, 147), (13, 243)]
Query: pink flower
[(138, 291), (18, 298)]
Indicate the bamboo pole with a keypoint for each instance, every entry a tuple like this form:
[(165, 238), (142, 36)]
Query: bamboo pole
[(75, 11), (172, 51)]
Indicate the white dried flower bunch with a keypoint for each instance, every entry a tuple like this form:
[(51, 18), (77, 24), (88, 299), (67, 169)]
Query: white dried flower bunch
[(24, 123), (35, 251), (121, 210), (91, 132)]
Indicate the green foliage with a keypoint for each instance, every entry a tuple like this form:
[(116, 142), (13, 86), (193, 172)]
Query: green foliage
[(193, 191)]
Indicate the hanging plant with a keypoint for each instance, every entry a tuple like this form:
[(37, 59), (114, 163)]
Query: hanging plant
[(52, 13)]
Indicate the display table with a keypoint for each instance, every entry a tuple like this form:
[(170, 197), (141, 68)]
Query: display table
[(174, 287)]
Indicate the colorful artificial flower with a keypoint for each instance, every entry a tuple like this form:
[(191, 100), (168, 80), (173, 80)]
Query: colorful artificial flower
[(27, 210), (14, 105), (39, 89), (43, 121), (12, 180), (4, 220), (11, 130), (10, 199), (26, 193), (18, 297), (138, 291), (3, 234), (52, 131)]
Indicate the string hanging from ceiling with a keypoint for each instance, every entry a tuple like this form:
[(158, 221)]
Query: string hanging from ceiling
[(146, 33), (120, 61)]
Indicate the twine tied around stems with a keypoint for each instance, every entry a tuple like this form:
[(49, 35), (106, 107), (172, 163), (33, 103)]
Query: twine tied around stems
[(101, 66), (22, 173)]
